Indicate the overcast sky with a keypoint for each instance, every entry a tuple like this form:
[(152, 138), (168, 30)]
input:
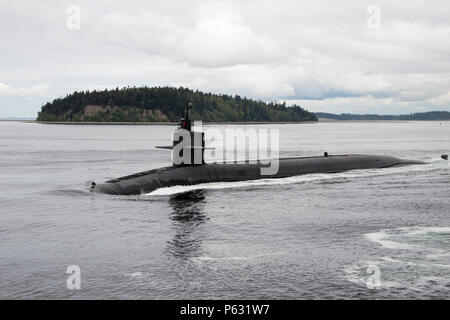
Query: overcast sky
[(331, 56)]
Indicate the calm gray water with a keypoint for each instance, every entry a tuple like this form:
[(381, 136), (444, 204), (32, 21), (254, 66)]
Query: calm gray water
[(303, 237)]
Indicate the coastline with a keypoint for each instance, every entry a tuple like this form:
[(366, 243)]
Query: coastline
[(321, 120), (168, 123)]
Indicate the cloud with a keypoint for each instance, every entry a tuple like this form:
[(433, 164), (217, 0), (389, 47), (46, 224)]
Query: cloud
[(249, 80), (34, 91), (219, 36), (442, 100), (362, 105), (320, 54)]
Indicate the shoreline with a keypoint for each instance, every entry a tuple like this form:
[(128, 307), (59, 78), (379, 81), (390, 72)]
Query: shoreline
[(321, 120), (168, 123)]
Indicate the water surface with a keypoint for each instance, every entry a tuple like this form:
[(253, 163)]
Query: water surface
[(301, 237)]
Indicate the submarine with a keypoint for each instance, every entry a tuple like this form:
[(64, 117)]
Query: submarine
[(189, 146)]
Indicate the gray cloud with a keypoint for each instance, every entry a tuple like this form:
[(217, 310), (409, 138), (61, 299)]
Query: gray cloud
[(319, 54)]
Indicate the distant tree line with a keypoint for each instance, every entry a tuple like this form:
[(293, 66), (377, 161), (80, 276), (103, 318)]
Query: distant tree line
[(432, 115), (131, 103)]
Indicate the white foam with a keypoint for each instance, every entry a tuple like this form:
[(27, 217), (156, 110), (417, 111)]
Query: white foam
[(412, 231), (409, 263), (440, 265), (389, 259), (235, 258), (415, 252), (353, 174), (352, 274), (134, 275), (357, 274), (238, 184), (380, 238), (207, 258), (434, 256)]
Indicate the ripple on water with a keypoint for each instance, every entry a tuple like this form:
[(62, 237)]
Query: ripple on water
[(414, 259)]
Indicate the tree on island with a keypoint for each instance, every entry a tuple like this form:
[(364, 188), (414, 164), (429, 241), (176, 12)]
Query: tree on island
[(133, 104)]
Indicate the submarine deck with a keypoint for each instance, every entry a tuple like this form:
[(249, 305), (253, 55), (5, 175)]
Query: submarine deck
[(143, 173)]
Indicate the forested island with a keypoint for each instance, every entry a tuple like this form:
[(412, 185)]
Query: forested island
[(422, 116), (163, 104)]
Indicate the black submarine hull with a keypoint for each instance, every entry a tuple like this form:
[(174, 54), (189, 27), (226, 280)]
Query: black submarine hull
[(148, 181)]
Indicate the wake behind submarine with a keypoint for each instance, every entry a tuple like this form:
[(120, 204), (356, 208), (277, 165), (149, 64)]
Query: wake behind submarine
[(192, 172)]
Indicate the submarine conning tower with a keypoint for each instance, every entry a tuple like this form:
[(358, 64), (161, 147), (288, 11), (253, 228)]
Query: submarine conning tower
[(188, 147)]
